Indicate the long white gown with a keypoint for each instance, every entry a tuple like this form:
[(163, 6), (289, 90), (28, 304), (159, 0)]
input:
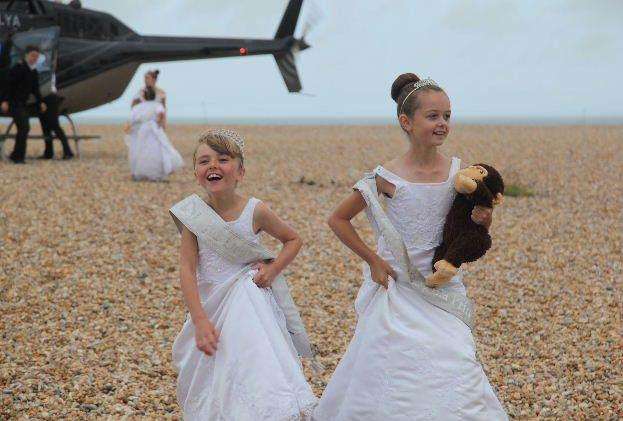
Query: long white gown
[(151, 154), (410, 360), (255, 374)]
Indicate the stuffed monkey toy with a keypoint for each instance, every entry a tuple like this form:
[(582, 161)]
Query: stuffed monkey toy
[(463, 239)]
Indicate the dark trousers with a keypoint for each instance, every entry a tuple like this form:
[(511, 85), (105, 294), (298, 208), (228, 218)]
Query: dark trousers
[(49, 123), (20, 118)]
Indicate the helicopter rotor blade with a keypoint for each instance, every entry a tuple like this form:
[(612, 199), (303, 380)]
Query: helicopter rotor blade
[(314, 13)]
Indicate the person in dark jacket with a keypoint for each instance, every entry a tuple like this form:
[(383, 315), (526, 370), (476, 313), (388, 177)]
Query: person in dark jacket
[(23, 81), (49, 123)]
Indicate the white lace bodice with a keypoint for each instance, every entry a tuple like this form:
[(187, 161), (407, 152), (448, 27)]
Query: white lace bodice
[(214, 269), (418, 211)]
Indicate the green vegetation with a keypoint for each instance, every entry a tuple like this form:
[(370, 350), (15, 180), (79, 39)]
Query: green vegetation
[(515, 190)]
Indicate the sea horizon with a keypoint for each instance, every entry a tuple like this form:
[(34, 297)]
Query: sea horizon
[(354, 121), (367, 121)]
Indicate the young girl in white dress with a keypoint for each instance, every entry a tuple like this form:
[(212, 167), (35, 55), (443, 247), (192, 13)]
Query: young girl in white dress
[(151, 154), (151, 78), (236, 355), (413, 355)]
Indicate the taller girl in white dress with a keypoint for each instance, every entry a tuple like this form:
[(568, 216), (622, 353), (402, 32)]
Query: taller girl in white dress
[(236, 355), (151, 154), (151, 78), (413, 355)]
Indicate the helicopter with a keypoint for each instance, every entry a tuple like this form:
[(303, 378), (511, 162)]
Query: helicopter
[(95, 56)]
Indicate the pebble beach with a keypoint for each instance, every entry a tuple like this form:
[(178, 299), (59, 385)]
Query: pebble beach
[(90, 297)]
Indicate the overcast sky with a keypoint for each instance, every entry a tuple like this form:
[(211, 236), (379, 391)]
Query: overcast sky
[(495, 58)]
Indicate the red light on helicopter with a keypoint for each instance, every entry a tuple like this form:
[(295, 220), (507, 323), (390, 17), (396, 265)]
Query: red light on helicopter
[(243, 51)]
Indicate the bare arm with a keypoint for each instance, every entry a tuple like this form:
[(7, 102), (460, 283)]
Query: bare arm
[(340, 224), (161, 119), (188, 275), (339, 221), (137, 99), (205, 335), (267, 221)]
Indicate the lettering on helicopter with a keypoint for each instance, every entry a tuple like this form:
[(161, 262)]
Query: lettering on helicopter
[(9, 20)]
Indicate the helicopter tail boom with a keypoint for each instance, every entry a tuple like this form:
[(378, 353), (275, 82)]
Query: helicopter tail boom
[(283, 47)]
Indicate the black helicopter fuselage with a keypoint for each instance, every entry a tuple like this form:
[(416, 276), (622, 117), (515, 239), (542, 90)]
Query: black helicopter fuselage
[(98, 55)]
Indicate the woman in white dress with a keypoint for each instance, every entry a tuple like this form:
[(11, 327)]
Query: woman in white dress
[(237, 354), (151, 154), (151, 79), (413, 356)]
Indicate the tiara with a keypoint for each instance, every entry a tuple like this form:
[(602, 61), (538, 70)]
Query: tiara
[(230, 135), (418, 85)]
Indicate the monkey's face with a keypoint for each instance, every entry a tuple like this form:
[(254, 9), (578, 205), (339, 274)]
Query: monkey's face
[(468, 180), (475, 172)]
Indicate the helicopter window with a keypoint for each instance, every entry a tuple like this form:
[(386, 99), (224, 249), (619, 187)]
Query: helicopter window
[(22, 6), (41, 7), (72, 24), (114, 30), (83, 26)]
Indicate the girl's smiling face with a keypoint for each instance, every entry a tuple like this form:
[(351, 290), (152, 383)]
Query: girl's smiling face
[(217, 172), (430, 123)]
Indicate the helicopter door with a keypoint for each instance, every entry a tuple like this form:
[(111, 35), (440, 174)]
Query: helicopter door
[(47, 41)]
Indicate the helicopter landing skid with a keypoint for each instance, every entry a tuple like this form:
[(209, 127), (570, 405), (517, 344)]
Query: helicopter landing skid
[(73, 136)]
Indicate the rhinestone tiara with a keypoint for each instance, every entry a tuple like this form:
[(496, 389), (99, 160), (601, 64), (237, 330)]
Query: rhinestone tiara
[(418, 85), (230, 135)]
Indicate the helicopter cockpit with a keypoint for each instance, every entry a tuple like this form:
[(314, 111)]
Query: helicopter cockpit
[(18, 16), (13, 47), (24, 23)]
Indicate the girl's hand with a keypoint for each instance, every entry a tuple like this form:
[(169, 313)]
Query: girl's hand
[(266, 274), (380, 271), (482, 216), (127, 127), (206, 336)]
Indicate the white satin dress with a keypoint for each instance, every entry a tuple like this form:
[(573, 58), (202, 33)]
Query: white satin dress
[(151, 154), (408, 359), (255, 374)]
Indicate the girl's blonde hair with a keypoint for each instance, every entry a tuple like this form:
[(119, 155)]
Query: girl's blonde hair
[(226, 142)]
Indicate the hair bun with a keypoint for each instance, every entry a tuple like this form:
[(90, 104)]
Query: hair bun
[(402, 81)]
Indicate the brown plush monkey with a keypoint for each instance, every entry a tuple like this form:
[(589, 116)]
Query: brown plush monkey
[(463, 239)]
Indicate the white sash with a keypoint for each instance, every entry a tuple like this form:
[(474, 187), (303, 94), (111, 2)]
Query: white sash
[(209, 227), (448, 300)]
